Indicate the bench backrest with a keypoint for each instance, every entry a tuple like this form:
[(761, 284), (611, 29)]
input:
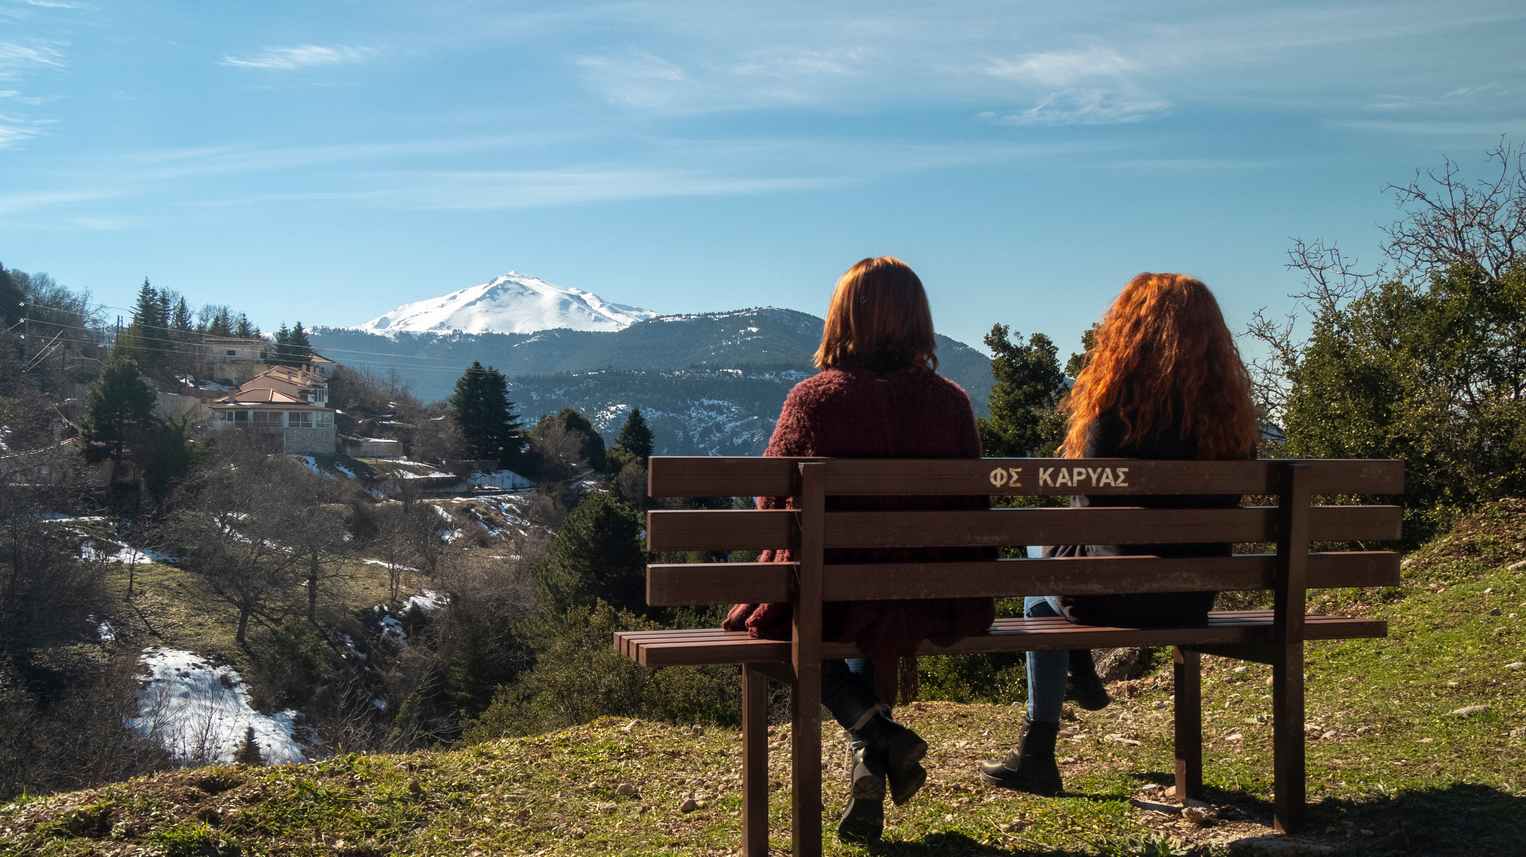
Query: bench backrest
[(809, 529)]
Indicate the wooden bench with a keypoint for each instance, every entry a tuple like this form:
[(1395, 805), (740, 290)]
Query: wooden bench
[(1274, 637)]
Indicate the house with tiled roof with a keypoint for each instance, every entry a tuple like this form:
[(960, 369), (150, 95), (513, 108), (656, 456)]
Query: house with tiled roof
[(288, 405), (322, 365)]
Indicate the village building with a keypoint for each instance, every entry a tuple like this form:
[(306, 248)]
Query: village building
[(285, 404), (233, 359), (321, 365)]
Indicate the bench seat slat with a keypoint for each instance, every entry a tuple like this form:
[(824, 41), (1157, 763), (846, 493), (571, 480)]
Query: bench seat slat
[(674, 584), (714, 646), (733, 529), (680, 476)]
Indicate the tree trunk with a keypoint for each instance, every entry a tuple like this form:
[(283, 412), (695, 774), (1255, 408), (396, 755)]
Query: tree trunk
[(242, 637), (312, 588)]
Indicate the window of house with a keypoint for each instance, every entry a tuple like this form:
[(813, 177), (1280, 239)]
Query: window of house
[(324, 419), (226, 416), (232, 353), (267, 418), (302, 419), (241, 416)]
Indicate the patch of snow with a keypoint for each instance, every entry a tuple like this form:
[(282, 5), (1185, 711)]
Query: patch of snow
[(56, 518), (427, 601), (348, 473), (311, 464), (391, 627), (200, 712), (389, 565), (117, 552), (450, 535), (103, 630), (506, 480)]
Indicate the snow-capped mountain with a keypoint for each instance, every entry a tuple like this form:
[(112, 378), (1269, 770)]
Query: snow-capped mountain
[(707, 383), (512, 303)]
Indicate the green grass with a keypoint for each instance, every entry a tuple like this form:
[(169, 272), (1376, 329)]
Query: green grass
[(1391, 770)]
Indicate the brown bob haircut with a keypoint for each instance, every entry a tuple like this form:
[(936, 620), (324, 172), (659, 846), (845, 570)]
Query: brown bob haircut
[(879, 319)]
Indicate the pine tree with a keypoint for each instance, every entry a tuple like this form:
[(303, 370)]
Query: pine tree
[(481, 407), (1024, 419), (292, 346), (249, 752), (162, 313), (145, 310), (243, 328), (222, 322), (120, 408), (139, 341), (635, 436), (180, 318), (299, 342), (11, 297), (596, 554)]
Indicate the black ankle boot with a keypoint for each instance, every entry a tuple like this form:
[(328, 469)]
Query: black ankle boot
[(1032, 768), (864, 818), (1086, 688), (898, 752)]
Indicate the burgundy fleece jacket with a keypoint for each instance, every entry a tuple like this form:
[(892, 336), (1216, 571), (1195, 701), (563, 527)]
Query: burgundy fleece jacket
[(858, 413)]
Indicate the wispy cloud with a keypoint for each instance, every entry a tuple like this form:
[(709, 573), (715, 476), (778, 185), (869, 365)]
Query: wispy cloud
[(55, 4), (11, 135), (17, 59), (20, 202), (301, 56), (1084, 107), (1062, 68), (1482, 128), (636, 79), (1188, 165), (794, 63), (192, 161), (1462, 97), (1095, 85), (19, 97), (18, 62), (495, 190)]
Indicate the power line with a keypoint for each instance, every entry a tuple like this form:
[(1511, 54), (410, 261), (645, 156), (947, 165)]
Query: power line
[(358, 363), (402, 360)]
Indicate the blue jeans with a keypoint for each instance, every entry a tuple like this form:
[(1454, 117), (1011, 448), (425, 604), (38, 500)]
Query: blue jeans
[(847, 690), (1047, 669)]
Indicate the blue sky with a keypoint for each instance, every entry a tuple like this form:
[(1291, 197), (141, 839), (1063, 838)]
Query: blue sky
[(327, 161)]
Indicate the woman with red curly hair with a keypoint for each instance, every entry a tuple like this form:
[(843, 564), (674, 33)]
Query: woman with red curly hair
[(1163, 380)]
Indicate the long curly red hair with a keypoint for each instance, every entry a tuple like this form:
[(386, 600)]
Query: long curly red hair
[(1163, 359)]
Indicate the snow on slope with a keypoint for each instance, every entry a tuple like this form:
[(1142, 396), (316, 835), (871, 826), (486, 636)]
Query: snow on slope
[(512, 303), (200, 712)]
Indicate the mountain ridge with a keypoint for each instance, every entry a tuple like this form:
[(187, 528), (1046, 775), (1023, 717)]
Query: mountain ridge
[(709, 383), (509, 303)]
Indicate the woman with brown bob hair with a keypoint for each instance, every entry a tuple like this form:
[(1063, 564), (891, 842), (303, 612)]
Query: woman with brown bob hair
[(877, 396), (1163, 380)]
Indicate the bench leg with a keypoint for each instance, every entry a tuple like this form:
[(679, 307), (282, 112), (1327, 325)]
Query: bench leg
[(1287, 737), (754, 762), (1188, 674), (805, 762)]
